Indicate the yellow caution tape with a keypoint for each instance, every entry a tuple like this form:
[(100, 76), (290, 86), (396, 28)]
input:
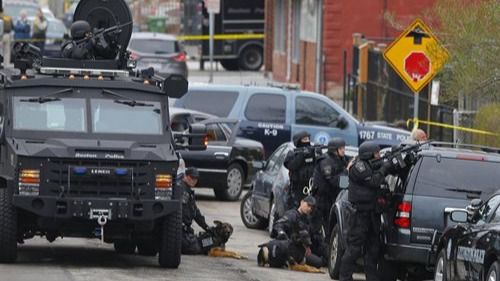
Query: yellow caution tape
[(221, 37), (416, 122)]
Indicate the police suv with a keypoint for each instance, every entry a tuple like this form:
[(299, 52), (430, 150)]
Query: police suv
[(272, 115), (470, 250), (86, 148)]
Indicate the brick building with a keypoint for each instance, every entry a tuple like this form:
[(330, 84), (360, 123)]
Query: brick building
[(294, 28)]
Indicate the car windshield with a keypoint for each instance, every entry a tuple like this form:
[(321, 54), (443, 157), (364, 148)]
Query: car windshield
[(58, 114), (154, 46), (122, 117)]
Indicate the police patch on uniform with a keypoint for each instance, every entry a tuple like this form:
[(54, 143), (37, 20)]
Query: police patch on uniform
[(360, 166)]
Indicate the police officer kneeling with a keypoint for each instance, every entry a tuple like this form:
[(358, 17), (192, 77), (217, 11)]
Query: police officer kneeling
[(191, 243), (296, 220), (363, 225)]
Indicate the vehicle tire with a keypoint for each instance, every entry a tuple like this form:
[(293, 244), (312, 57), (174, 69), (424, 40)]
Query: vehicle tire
[(336, 252), (235, 180), (171, 241), (272, 217), (251, 58), (8, 228), (493, 272), (124, 247), (441, 272), (147, 248), (230, 65), (249, 219)]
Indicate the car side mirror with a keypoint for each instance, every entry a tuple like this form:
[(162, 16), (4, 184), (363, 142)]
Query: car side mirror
[(195, 140), (342, 123), (459, 216), (259, 165)]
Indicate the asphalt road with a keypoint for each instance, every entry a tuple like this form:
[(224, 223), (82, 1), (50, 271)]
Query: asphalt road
[(72, 259)]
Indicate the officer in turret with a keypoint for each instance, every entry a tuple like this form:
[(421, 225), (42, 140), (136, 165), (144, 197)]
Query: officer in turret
[(79, 51)]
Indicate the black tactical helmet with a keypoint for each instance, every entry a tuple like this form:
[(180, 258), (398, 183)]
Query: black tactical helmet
[(79, 29), (367, 150), (298, 136), (334, 144)]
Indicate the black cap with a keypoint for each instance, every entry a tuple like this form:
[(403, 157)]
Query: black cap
[(192, 172), (310, 200)]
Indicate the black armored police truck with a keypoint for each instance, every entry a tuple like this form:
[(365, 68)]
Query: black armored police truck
[(85, 144)]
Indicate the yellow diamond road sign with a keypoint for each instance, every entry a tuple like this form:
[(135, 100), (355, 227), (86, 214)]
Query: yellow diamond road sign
[(416, 55)]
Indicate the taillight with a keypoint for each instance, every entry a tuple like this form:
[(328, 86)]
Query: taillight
[(29, 182), (181, 57), (471, 157), (403, 215), (205, 140)]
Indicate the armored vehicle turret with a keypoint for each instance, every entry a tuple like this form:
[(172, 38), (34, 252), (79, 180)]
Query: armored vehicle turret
[(85, 144)]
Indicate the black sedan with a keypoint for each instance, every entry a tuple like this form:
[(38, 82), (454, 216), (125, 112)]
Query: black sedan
[(470, 250), (227, 163), (266, 202)]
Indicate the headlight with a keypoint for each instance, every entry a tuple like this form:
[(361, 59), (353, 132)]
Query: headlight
[(29, 182), (163, 187)]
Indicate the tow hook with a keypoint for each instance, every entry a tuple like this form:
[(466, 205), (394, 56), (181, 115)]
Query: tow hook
[(102, 221)]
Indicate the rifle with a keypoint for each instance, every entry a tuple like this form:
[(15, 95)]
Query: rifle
[(396, 155), (103, 31)]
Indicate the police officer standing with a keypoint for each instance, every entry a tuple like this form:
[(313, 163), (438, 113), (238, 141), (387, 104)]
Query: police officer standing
[(327, 172), (363, 225), (190, 241), (300, 164)]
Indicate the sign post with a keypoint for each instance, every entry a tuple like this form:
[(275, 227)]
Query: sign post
[(416, 56), (213, 7)]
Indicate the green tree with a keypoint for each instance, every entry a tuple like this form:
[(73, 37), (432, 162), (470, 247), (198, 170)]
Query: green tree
[(470, 30), (488, 119)]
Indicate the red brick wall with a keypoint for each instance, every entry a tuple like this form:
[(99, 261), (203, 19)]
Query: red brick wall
[(342, 18)]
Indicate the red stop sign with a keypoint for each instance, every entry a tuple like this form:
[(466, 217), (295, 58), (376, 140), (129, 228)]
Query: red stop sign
[(417, 66)]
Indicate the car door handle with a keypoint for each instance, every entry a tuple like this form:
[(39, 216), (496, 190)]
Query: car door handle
[(219, 154)]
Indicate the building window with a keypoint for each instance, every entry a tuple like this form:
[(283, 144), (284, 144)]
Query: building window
[(279, 25), (296, 31)]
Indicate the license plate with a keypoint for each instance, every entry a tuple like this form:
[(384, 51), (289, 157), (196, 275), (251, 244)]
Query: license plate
[(97, 213)]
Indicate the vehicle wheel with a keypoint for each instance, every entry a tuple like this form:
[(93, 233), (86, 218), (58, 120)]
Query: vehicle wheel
[(272, 217), (124, 247), (249, 219), (493, 273), (8, 228), (147, 248), (441, 273), (231, 65), (336, 253), (251, 58), (234, 185), (171, 241)]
